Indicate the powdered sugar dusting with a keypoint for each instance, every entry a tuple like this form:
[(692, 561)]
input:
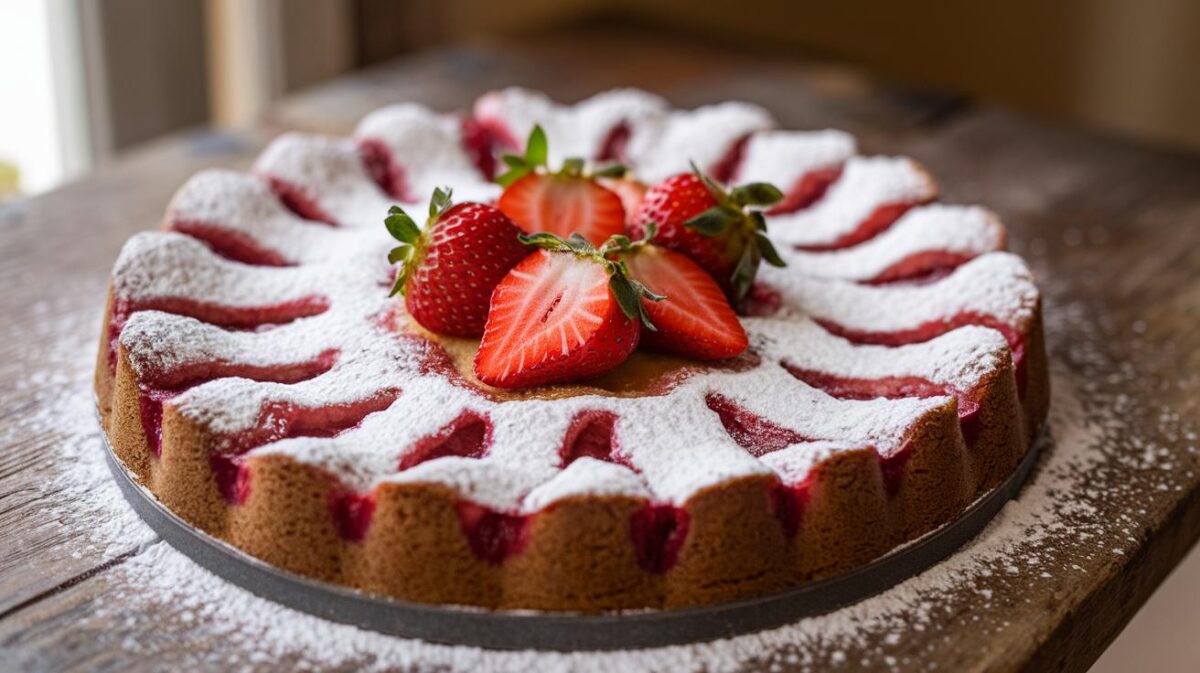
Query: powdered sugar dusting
[(236, 202), (578, 130), (342, 266), (962, 230), (428, 146), (866, 184), (958, 359), (158, 599), (998, 285), (703, 136), (783, 157)]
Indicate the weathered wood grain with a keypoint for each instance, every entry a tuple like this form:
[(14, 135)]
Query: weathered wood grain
[(1109, 227)]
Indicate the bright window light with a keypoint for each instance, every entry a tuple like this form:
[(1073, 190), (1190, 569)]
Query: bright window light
[(31, 140)]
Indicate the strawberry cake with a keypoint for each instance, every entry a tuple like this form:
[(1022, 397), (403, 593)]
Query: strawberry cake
[(632, 357)]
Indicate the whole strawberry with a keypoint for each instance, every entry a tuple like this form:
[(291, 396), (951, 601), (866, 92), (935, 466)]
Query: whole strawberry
[(722, 231), (449, 269)]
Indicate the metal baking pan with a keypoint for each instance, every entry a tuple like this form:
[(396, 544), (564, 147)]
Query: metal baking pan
[(520, 630)]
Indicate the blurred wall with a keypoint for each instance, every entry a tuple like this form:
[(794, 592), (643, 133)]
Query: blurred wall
[(1132, 66), (145, 65), (1122, 65)]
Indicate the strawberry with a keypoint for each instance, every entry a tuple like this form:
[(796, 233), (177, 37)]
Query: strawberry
[(569, 201), (695, 319), (716, 228), (449, 270), (631, 192), (565, 313)]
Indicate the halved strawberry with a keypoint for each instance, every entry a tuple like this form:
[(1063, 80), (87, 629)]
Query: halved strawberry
[(564, 313), (449, 269), (695, 319), (630, 190), (569, 201), (716, 228)]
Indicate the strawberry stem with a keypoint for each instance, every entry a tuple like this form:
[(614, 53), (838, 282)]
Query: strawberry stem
[(411, 237), (738, 212)]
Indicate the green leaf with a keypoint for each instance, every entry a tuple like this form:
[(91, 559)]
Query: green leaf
[(649, 230), (767, 250), (536, 149), (401, 226), (545, 241), (629, 299), (646, 292), (440, 201), (717, 191), (514, 161), (572, 166), (399, 253), (744, 273), (756, 194), (616, 243), (610, 171), (760, 222), (401, 284), (579, 243), (713, 222), (512, 175)]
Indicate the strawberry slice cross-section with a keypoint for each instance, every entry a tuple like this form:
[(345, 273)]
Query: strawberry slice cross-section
[(564, 313), (695, 319)]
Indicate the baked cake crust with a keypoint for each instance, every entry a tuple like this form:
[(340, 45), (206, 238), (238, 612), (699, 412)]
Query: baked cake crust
[(252, 374)]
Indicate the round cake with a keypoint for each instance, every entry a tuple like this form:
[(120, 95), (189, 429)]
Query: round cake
[(256, 377)]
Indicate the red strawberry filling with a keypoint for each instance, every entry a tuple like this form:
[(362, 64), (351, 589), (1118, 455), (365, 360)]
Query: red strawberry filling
[(282, 420), (231, 244), (754, 433), (807, 189), (615, 143), (846, 388), (467, 436), (922, 267), (299, 201), (240, 317), (935, 328), (277, 420), (150, 406), (231, 476), (871, 226), (352, 514), (658, 532), (384, 170), (159, 387), (493, 536), (725, 167), (480, 145), (592, 435), (788, 503)]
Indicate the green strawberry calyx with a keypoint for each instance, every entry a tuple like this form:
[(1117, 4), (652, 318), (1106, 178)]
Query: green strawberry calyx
[(411, 237), (738, 212), (534, 160), (627, 291)]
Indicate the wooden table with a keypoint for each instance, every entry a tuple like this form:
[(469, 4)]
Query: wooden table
[(1112, 229)]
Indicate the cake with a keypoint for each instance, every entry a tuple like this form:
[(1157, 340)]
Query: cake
[(254, 375)]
